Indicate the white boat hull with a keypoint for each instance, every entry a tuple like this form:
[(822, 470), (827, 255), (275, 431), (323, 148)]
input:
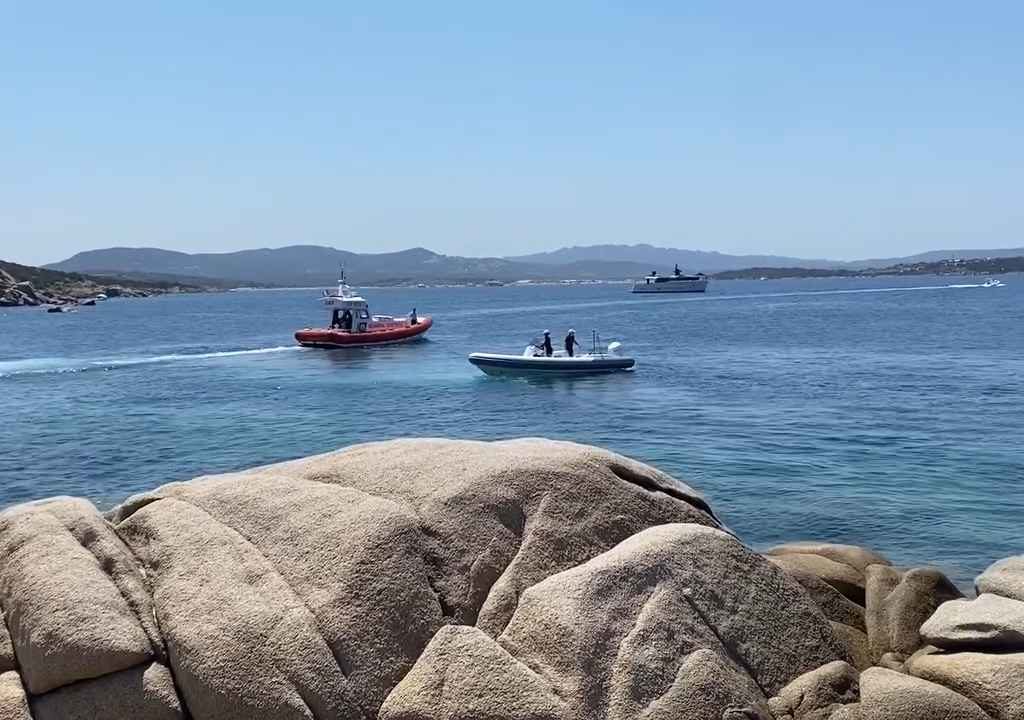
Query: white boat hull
[(561, 366), (672, 286)]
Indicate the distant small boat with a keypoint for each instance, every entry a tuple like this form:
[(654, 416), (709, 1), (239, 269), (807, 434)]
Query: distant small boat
[(533, 362), (494, 283), (677, 282), (100, 297), (992, 282), (60, 309)]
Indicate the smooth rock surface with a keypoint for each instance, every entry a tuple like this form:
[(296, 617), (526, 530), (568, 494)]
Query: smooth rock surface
[(855, 556), (847, 712), (630, 632), (1004, 577), (464, 675), (706, 687), (989, 622), (836, 606), (816, 695), (889, 695), (7, 661), (856, 643), (499, 516), (67, 616), (13, 701), (327, 577), (899, 603), (847, 579), (140, 693), (992, 680), (245, 646)]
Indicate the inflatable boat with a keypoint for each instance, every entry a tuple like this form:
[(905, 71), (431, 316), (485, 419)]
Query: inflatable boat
[(535, 363)]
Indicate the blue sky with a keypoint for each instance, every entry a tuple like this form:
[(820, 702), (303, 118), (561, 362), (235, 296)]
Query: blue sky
[(800, 128)]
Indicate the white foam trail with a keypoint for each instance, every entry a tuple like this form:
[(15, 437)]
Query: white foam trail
[(44, 366), (702, 298)]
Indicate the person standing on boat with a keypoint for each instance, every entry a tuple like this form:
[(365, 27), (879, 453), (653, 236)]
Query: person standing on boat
[(570, 342), (413, 320), (546, 344)]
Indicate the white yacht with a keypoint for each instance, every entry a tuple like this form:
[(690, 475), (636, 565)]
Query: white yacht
[(677, 282)]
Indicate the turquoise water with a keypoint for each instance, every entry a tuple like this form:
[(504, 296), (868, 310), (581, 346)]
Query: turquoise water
[(874, 411)]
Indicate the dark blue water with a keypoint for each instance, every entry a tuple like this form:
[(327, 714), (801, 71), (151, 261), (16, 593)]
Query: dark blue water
[(860, 411)]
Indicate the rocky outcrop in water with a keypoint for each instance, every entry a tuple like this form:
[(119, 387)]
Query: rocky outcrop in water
[(448, 580), (24, 285)]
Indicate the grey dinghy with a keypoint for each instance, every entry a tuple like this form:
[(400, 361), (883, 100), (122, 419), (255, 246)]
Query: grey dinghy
[(536, 364)]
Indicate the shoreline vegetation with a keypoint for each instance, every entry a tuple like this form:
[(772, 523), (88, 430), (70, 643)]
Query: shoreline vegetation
[(429, 579), (29, 286), (24, 285)]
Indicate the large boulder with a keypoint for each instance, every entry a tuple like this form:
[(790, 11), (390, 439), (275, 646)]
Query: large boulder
[(856, 642), (486, 678), (674, 618), (847, 579), (846, 616), (890, 695), (1004, 577), (995, 681), (841, 566), (989, 622), (898, 603), (836, 606), (72, 595), (325, 578), (816, 695), (7, 661), (145, 692), (855, 556), (13, 700)]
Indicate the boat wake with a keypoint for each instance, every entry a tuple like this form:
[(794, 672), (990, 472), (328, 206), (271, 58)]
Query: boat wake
[(48, 366), (669, 298)]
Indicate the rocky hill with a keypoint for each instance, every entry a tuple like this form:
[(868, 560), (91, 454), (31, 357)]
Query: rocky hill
[(312, 265), (455, 580), (27, 285)]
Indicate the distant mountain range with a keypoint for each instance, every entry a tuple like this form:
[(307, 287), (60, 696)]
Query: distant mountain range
[(313, 265), (659, 258), (713, 262)]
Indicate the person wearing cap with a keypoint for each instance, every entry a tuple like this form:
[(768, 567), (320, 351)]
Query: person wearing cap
[(546, 344), (570, 341)]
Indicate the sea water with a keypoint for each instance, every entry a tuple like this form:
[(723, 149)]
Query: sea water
[(884, 412)]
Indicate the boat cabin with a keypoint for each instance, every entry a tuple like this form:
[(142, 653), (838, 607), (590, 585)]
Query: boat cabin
[(655, 279), (348, 313)]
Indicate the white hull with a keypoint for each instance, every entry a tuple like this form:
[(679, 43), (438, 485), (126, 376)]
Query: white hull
[(561, 365), (672, 286)]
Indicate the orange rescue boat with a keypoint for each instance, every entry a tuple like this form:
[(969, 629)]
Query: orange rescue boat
[(352, 325)]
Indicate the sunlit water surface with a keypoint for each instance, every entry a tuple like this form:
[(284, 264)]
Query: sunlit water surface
[(880, 412)]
